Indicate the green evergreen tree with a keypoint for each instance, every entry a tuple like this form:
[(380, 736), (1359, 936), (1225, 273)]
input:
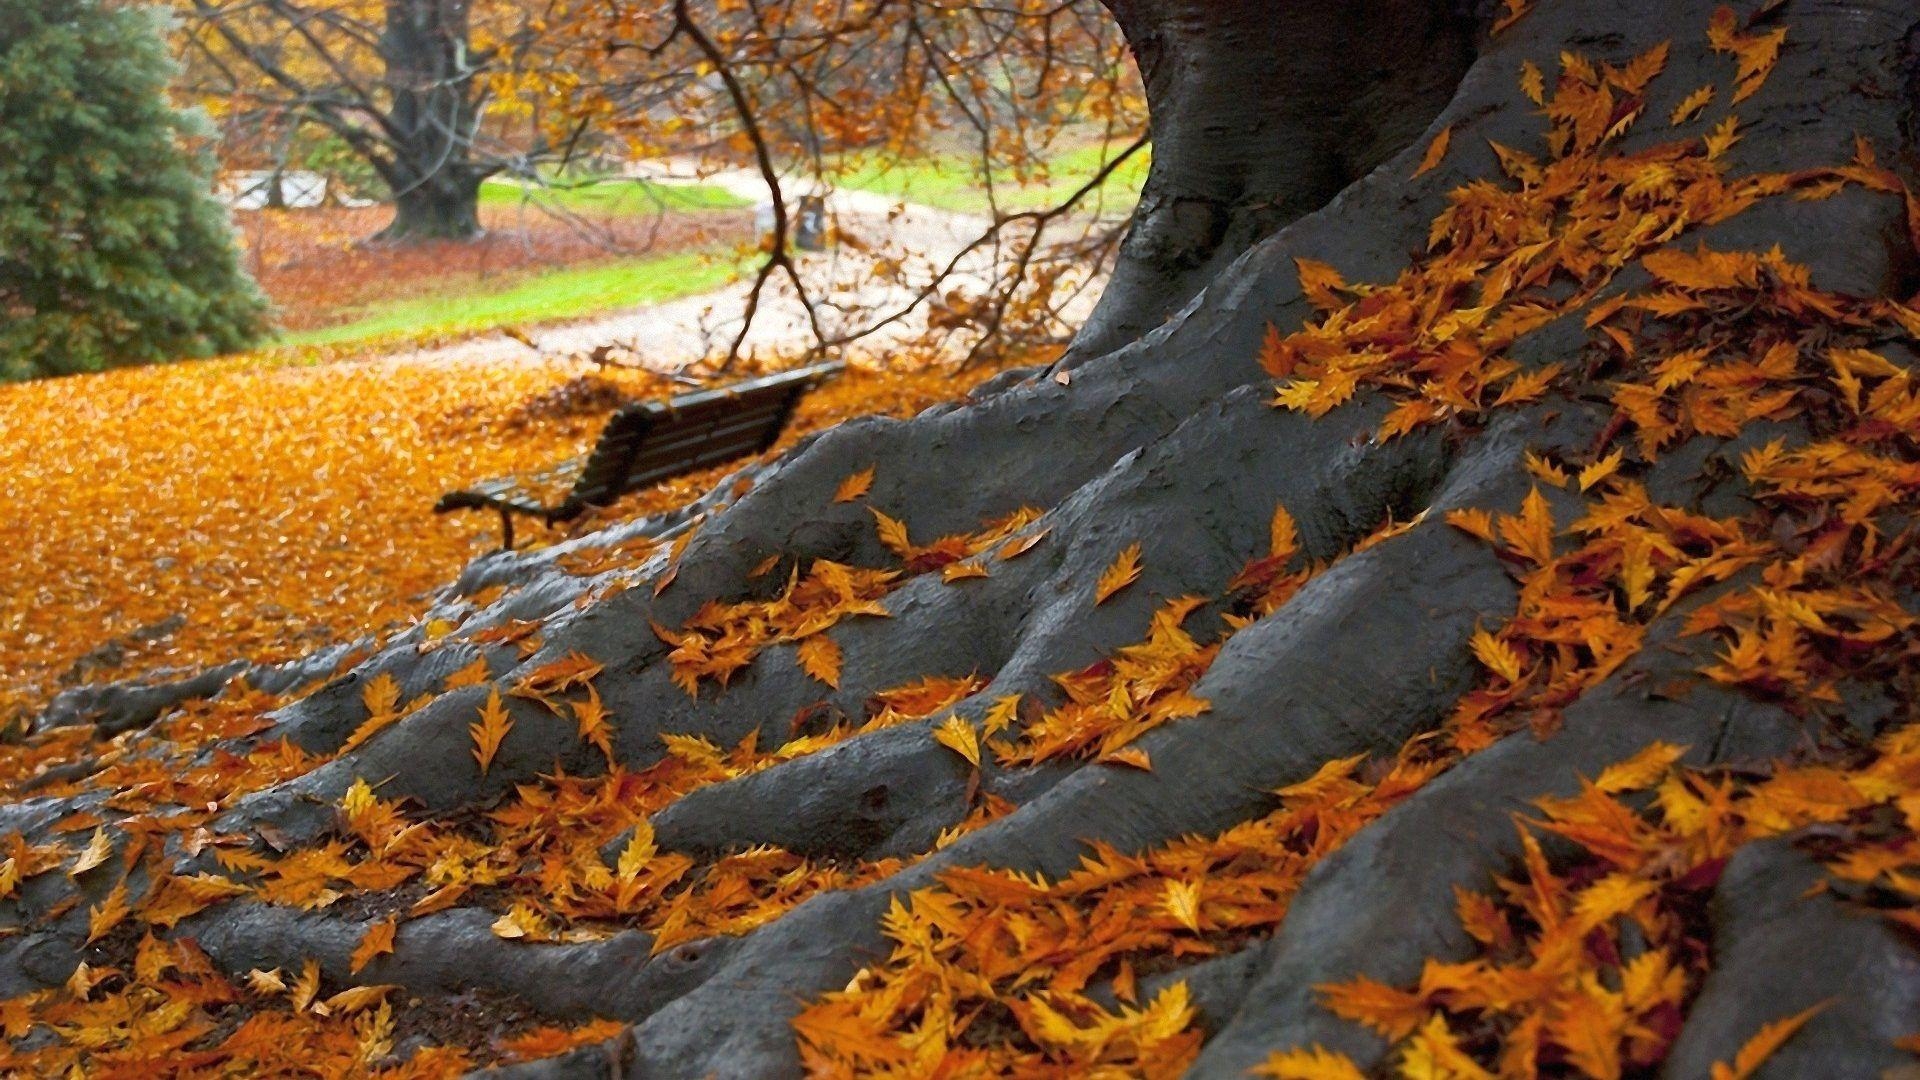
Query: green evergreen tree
[(112, 248)]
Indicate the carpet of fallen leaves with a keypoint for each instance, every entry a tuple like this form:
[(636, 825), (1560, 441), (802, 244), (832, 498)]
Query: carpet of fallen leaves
[(994, 973), (317, 267), (240, 508)]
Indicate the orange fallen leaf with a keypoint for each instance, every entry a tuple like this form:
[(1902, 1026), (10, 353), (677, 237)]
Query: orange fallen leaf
[(961, 571), (591, 716), (108, 913), (1765, 1042), (1276, 357), (377, 941), (493, 727), (1436, 150), (1691, 106), (1389, 1010), (854, 486), (1308, 1063), (1318, 281), (820, 657)]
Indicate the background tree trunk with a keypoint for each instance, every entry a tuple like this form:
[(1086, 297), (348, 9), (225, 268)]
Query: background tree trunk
[(1168, 441), (432, 121), (443, 205)]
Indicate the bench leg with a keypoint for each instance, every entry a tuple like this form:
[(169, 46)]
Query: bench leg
[(506, 530)]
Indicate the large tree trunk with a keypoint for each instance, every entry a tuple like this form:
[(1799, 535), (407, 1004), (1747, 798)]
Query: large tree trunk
[(1259, 115), (432, 121), (1168, 440)]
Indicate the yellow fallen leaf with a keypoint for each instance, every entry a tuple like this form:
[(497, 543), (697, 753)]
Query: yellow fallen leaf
[(1533, 83), (355, 998), (307, 986), (1600, 470), (958, 736), (1691, 106), (1497, 655), (639, 851), (1001, 715), (893, 534), (1020, 545), (85, 977), (519, 922), (1124, 572), (95, 853), (1641, 771), (820, 657), (1182, 901)]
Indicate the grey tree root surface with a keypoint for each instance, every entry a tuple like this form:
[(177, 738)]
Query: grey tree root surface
[(1165, 440)]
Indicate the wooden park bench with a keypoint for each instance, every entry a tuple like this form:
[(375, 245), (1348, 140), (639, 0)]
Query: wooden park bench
[(647, 442)]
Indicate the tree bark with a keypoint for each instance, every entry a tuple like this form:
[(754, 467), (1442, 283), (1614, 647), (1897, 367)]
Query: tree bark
[(1168, 441), (432, 121), (1260, 114), (444, 205)]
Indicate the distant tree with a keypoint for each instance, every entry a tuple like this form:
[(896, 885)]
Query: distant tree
[(423, 91), (112, 248)]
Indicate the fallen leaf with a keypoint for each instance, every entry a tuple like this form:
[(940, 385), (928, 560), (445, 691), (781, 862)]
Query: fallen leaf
[(377, 941), (958, 736), (493, 727), (1765, 1042), (1182, 901), (94, 854), (1497, 655), (108, 913), (1124, 572), (1436, 150), (854, 486), (820, 657), (1308, 1063), (893, 534)]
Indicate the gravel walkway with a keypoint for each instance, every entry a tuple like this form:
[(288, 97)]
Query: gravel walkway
[(891, 249)]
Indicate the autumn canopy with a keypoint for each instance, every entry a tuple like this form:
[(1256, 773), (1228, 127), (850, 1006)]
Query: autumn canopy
[(1451, 612)]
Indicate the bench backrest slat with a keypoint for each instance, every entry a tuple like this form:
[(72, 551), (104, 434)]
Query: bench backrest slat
[(612, 456), (647, 442), (651, 441)]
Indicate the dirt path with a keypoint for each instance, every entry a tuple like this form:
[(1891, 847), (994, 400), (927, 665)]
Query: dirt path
[(892, 250)]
